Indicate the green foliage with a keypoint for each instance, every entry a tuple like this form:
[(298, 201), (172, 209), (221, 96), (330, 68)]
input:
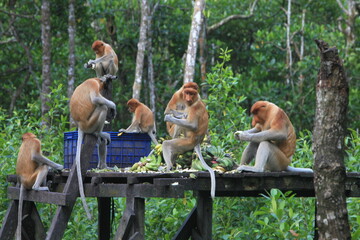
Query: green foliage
[(165, 216), (255, 71), (223, 104), (284, 218)]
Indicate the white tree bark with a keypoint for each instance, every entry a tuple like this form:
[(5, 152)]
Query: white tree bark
[(347, 26), (72, 58), (288, 44), (46, 60), (141, 49), (199, 6)]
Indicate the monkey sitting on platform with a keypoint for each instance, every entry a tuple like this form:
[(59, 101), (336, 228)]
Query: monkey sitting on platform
[(32, 168), (272, 140), (142, 121)]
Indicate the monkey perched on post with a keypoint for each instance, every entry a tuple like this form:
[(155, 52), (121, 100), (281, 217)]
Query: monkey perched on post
[(32, 168), (106, 61), (142, 121), (194, 126), (272, 140), (88, 108)]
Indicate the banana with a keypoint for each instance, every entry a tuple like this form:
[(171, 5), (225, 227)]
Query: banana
[(134, 167)]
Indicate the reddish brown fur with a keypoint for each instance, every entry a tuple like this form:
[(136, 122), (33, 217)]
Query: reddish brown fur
[(81, 106), (267, 116), (177, 102), (26, 168), (100, 48), (143, 116)]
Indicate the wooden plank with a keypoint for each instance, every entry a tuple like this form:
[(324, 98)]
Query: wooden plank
[(39, 196), (104, 223), (139, 190), (188, 225), (9, 225)]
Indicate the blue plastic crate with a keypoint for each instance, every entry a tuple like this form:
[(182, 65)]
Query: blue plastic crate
[(123, 151)]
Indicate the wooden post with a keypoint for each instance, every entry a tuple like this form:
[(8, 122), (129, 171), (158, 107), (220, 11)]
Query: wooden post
[(8, 228), (204, 216), (62, 215), (104, 223)]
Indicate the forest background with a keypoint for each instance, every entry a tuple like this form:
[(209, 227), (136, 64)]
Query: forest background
[(254, 50)]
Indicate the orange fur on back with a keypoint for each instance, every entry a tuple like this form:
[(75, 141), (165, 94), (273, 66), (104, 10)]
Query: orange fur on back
[(79, 104), (25, 166), (268, 116)]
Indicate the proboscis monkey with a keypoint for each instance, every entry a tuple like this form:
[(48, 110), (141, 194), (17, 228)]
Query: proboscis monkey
[(106, 61), (272, 140), (176, 107), (32, 168), (142, 121), (195, 126), (88, 108)]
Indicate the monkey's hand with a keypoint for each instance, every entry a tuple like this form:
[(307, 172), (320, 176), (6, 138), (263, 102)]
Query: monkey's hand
[(242, 136), (90, 64), (169, 118), (122, 130), (112, 113)]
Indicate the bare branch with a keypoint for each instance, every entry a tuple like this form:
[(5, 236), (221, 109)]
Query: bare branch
[(17, 14), (342, 7), (10, 40), (232, 17)]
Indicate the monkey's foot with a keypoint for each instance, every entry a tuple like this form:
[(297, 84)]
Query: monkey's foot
[(102, 165), (244, 168)]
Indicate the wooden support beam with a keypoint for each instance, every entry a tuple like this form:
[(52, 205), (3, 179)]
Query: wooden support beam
[(132, 224), (32, 226), (139, 190), (62, 215), (126, 222), (9, 225), (186, 228), (39, 196), (104, 224), (204, 216)]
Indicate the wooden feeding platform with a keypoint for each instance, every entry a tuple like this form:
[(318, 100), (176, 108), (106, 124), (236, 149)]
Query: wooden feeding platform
[(138, 186), (135, 187)]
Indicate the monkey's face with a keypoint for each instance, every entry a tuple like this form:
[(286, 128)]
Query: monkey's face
[(98, 47), (190, 96), (132, 107), (28, 135), (259, 115)]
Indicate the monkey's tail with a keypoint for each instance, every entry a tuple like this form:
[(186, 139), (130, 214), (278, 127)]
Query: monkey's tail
[(304, 170), (20, 210), (78, 169), (211, 171)]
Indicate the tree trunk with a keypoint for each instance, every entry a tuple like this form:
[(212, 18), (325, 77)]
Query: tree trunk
[(71, 70), (332, 93), (141, 49), (46, 61), (203, 53), (289, 60), (150, 61), (199, 6)]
